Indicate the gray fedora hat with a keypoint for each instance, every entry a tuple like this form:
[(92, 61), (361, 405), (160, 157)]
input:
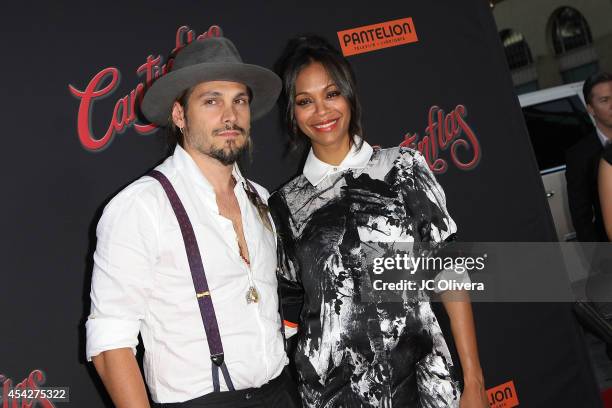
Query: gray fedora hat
[(210, 59)]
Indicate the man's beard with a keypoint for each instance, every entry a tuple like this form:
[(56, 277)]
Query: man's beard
[(230, 153)]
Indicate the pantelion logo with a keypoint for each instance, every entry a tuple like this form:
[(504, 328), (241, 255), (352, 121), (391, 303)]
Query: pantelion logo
[(376, 36), (503, 396)]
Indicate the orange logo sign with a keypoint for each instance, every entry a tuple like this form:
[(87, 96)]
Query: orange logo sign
[(503, 396), (376, 36)]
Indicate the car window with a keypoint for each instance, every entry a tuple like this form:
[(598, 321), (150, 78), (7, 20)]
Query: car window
[(555, 126)]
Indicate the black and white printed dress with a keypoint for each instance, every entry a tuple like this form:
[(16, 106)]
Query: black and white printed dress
[(352, 353)]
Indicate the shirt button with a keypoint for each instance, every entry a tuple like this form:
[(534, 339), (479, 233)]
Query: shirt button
[(248, 395), (335, 169)]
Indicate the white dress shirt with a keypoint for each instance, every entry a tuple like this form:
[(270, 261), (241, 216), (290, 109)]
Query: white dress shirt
[(142, 283)]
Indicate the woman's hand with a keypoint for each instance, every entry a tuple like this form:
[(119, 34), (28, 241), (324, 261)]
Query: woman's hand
[(474, 394)]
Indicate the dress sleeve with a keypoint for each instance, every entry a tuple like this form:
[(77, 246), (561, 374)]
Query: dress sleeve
[(427, 202), (291, 291)]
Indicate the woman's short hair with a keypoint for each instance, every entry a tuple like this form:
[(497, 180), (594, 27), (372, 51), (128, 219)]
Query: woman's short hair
[(300, 52)]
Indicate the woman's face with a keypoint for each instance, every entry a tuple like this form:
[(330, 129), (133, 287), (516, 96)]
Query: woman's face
[(321, 111)]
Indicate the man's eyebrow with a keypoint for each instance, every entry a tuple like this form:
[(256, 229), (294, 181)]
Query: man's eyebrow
[(208, 93), (216, 94)]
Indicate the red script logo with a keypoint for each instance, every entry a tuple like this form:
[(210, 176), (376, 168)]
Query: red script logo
[(446, 131), (124, 114)]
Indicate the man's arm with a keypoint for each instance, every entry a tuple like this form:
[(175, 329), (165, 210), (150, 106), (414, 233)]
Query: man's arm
[(121, 376), (121, 284), (579, 197)]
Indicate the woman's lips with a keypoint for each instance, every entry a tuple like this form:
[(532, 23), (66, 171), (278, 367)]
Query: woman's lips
[(326, 126)]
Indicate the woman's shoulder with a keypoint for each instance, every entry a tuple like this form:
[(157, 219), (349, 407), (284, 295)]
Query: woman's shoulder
[(396, 155)]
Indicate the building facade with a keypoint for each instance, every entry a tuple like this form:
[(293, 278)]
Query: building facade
[(552, 42)]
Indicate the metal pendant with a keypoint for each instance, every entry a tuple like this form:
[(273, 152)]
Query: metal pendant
[(252, 295)]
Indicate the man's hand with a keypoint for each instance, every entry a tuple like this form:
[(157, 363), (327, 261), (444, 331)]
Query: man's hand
[(122, 378)]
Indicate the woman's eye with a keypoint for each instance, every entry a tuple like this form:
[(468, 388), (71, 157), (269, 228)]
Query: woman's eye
[(302, 102), (333, 94), (241, 101)]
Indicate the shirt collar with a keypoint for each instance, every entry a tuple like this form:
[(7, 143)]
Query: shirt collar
[(316, 170), (603, 138), (190, 169)]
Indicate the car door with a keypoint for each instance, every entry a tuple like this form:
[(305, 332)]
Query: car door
[(554, 126)]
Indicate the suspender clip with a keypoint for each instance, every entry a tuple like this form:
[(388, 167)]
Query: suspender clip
[(217, 359)]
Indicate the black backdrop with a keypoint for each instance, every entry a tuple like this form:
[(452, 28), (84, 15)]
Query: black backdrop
[(54, 188)]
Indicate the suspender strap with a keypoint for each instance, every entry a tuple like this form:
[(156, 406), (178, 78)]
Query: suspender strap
[(207, 309)]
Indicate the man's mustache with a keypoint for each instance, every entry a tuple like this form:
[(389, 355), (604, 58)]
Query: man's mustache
[(233, 127)]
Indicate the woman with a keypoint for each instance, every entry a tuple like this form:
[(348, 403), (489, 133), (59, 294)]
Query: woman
[(605, 189), (352, 353)]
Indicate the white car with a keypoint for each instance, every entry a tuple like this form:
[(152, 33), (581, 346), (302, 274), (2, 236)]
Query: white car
[(556, 119)]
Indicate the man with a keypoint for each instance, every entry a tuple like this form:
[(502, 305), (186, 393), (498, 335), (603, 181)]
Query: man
[(583, 161), (186, 256), (585, 209)]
